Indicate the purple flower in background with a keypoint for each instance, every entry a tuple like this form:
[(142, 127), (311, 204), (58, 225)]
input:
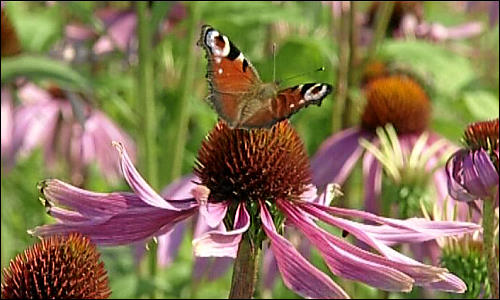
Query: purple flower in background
[(402, 102), (473, 171), (118, 33), (407, 20), (66, 128), (251, 182), (7, 118)]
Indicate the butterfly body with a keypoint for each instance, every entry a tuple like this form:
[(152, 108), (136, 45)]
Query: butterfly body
[(238, 94)]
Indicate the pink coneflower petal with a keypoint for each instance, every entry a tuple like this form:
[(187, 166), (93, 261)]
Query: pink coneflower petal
[(337, 156), (107, 218), (372, 174), (421, 273), (298, 274), (449, 283), (169, 243), (344, 263), (141, 187), (130, 226), (213, 213), (221, 243)]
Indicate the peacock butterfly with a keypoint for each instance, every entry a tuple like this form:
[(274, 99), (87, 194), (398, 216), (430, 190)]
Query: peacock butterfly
[(240, 97)]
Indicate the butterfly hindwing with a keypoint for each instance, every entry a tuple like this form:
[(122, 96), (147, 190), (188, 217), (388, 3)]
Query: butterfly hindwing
[(286, 103)]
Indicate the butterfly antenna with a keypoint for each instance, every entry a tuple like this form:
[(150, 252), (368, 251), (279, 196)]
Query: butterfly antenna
[(303, 74), (274, 62)]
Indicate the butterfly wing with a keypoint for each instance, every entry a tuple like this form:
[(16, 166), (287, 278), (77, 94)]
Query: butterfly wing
[(230, 75), (286, 103)]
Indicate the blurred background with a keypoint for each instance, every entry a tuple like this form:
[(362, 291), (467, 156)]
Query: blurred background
[(77, 75)]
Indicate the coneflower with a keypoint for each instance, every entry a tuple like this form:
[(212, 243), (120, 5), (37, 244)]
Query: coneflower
[(58, 267), (402, 102), (473, 174), (251, 182)]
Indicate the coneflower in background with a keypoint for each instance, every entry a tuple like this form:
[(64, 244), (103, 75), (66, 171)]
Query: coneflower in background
[(57, 268), (66, 127)]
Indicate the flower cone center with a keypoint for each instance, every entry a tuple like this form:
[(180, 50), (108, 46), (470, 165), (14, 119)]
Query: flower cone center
[(252, 165), (398, 100)]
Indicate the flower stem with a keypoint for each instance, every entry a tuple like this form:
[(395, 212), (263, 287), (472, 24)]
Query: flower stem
[(489, 244), (343, 72), (145, 84), (146, 94), (187, 92), (245, 270)]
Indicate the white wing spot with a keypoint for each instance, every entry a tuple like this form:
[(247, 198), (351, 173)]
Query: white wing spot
[(292, 105), (218, 60), (302, 101), (210, 42), (220, 71), (310, 96)]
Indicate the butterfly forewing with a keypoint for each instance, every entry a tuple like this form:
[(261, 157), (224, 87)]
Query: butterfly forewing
[(229, 74), (240, 97)]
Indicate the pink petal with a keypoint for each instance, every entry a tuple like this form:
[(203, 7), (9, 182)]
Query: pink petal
[(336, 157), (221, 243), (169, 243), (298, 274), (426, 273), (372, 176), (181, 188), (213, 213), (107, 218), (142, 188), (344, 263)]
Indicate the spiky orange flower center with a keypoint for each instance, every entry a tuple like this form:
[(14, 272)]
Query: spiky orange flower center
[(482, 135), (57, 268), (398, 100), (252, 165)]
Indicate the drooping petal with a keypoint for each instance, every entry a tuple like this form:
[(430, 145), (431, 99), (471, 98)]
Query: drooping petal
[(344, 263), (169, 243), (298, 274), (422, 274), (337, 156), (180, 188), (372, 181), (448, 283), (141, 187), (132, 225), (107, 218), (221, 243)]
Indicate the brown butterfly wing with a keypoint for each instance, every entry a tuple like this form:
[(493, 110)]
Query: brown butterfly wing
[(230, 75), (286, 103)]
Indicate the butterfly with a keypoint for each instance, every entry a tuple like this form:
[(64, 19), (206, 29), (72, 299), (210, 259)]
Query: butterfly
[(238, 94)]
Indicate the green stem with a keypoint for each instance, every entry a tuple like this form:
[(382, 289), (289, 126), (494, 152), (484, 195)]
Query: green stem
[(179, 141), (382, 21), (146, 105), (489, 244), (245, 270), (343, 72)]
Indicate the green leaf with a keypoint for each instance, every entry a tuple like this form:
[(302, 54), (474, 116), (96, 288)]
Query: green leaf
[(447, 71), (42, 67), (38, 27), (482, 105)]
